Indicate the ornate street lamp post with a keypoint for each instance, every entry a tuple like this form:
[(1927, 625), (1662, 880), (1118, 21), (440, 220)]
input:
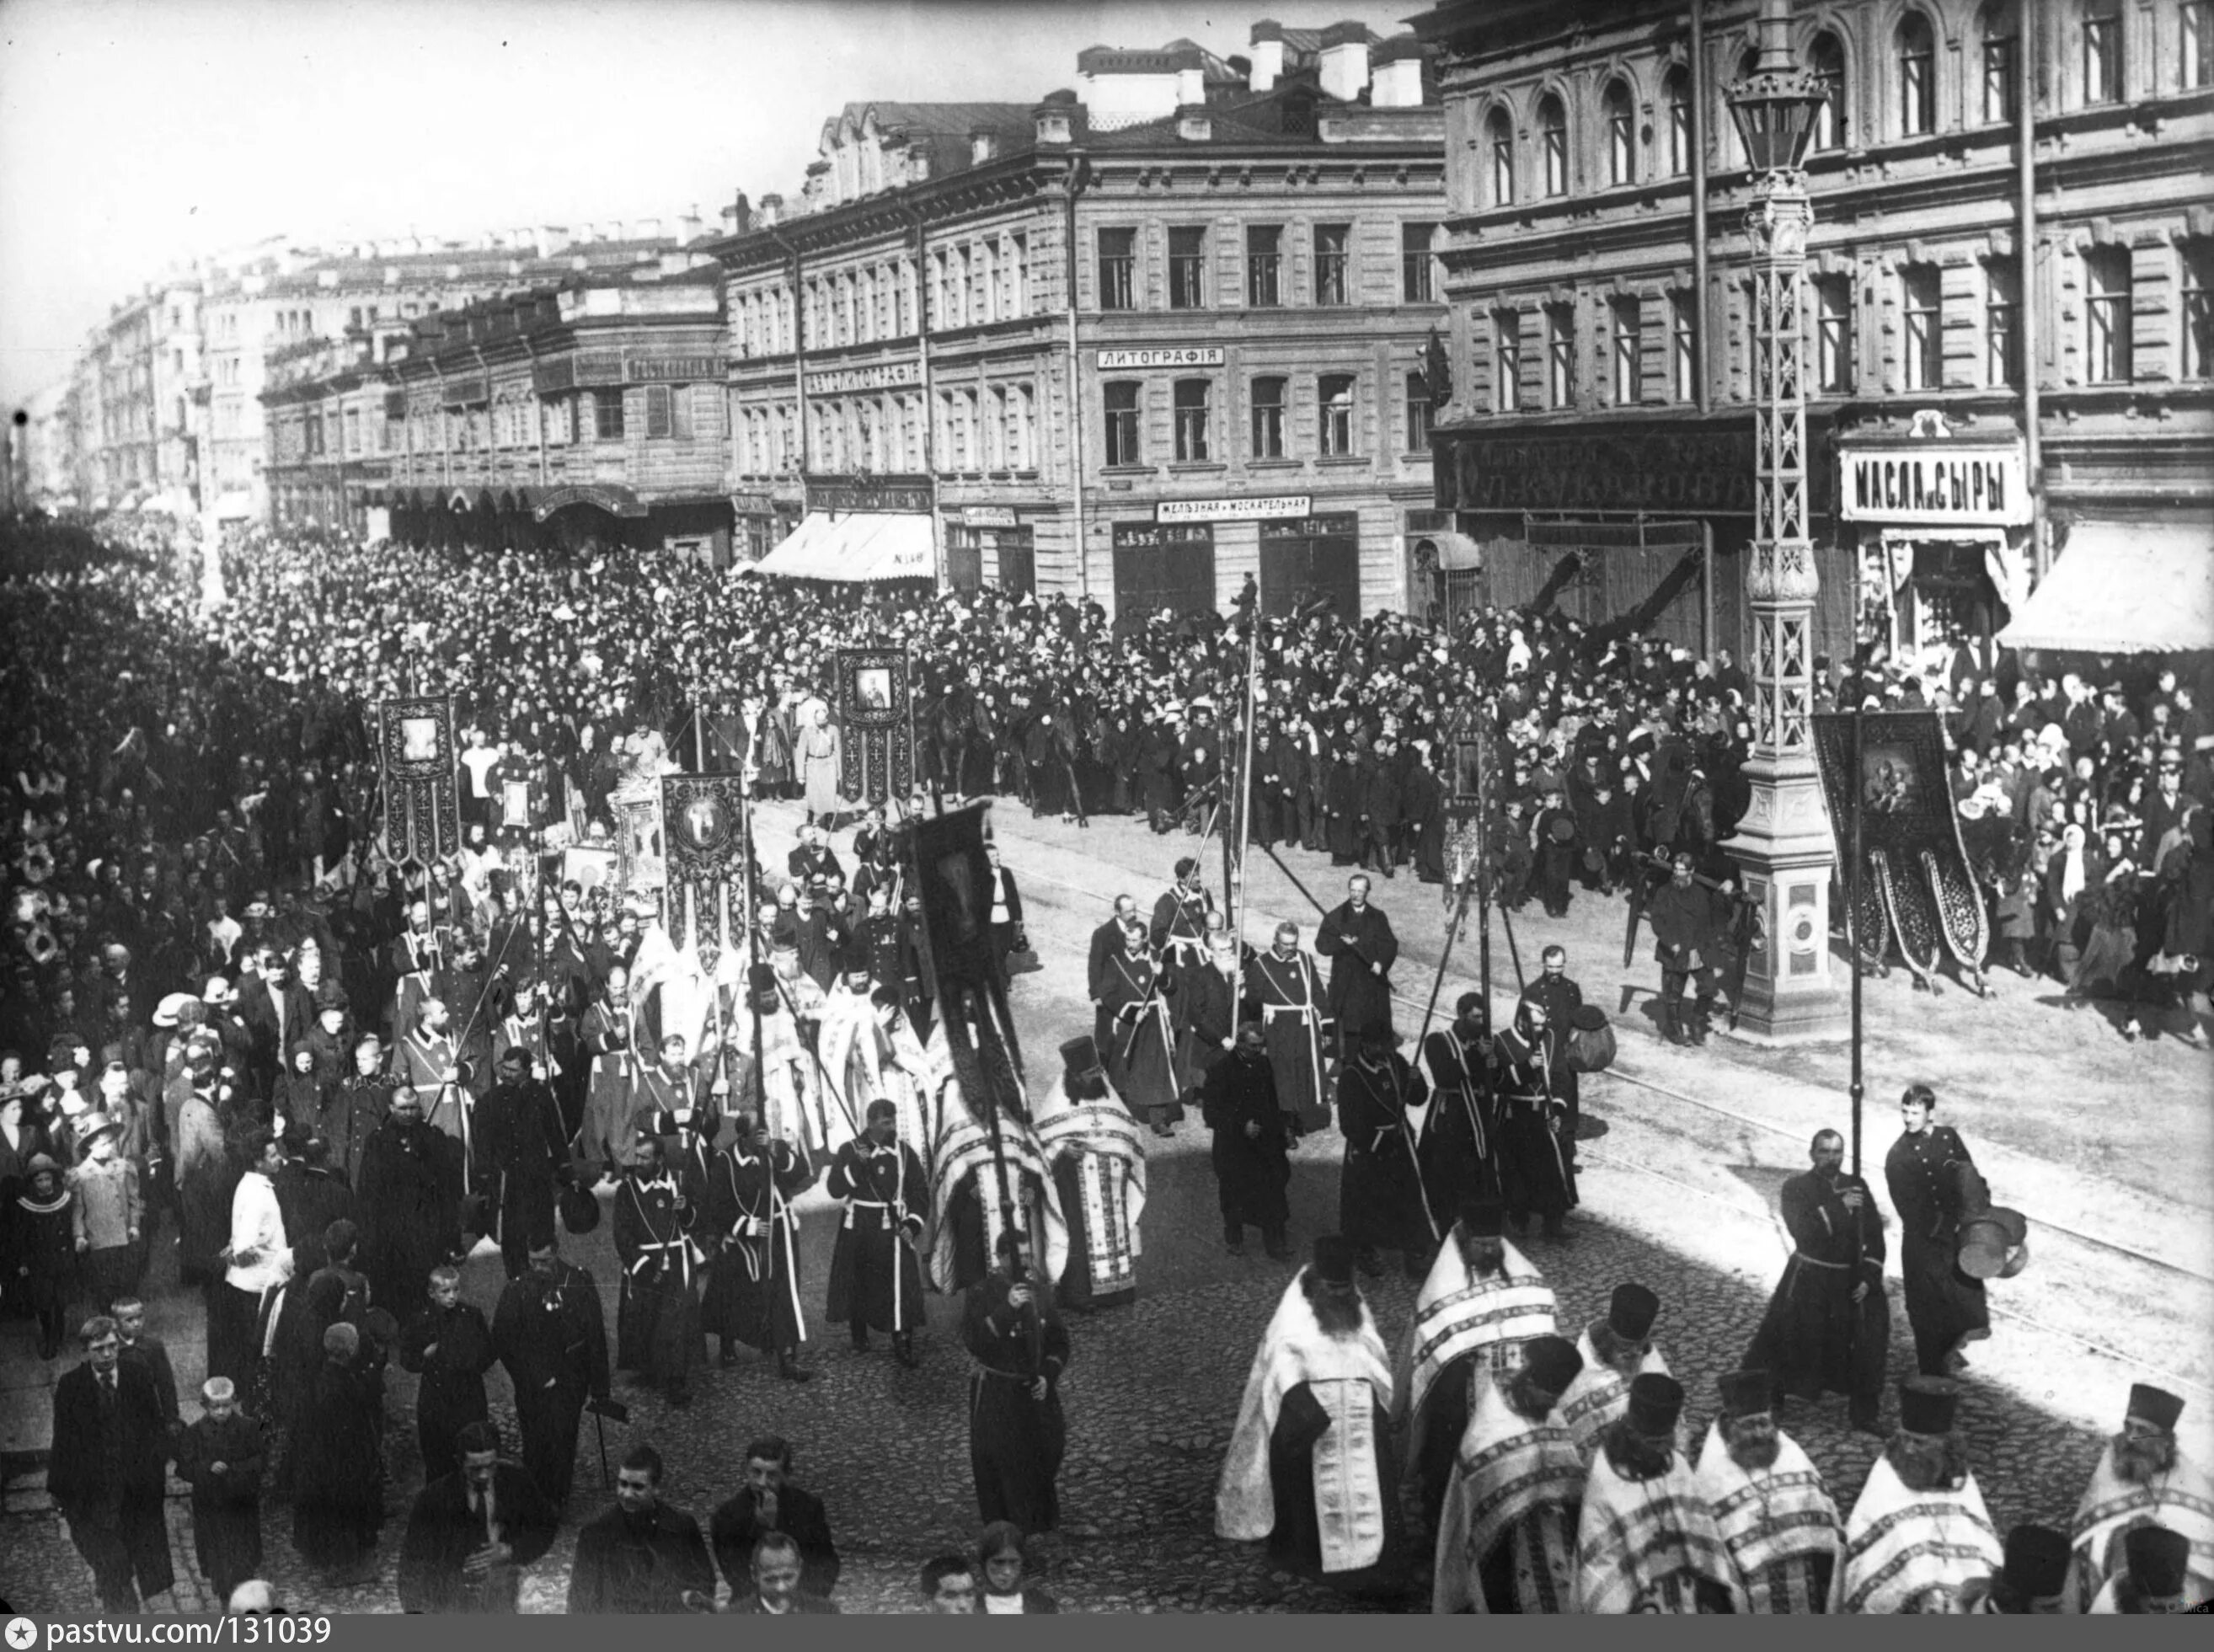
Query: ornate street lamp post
[(1783, 845)]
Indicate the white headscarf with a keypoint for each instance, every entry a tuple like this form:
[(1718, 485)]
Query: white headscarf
[(2072, 865)]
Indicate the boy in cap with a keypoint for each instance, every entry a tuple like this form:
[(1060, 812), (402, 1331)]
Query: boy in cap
[(220, 1457)]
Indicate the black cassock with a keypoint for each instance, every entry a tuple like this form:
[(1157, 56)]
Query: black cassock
[(338, 1468), (226, 1506), (522, 1148), (1250, 1175), (1379, 1198), (657, 1315), (1814, 1338), (875, 1279), (752, 1291), (1460, 1146), (451, 1395), (1943, 1304), (1535, 1174), (1015, 1441), (410, 1212), (1354, 942)]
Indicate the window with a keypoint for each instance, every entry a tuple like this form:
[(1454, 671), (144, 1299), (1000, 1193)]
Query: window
[(1335, 393), (1505, 361), (1560, 356), (2106, 273), (1499, 133), (2195, 38), (1833, 336), (1626, 322), (1122, 424), (1553, 143), (2103, 54), (1825, 58), (1117, 264), (1923, 302), (1269, 418), (1677, 93), (657, 413), (2002, 321), (1416, 283), (2199, 310), (1018, 276), (1418, 413), (1683, 346), (2002, 33), (1331, 242), (1193, 414), (607, 415), (1915, 49), (1621, 134), (1264, 260), (1188, 267)]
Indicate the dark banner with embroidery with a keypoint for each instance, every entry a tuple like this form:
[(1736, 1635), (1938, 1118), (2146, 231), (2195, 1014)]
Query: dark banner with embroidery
[(1916, 881), (422, 801), (703, 829), (875, 724)]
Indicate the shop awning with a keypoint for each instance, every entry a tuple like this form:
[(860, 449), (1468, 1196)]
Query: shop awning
[(611, 496), (866, 546), (2124, 588)]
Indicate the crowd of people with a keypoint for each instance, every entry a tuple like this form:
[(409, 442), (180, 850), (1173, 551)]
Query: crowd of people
[(329, 1074)]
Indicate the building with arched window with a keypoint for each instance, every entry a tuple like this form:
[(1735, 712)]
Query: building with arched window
[(1596, 272)]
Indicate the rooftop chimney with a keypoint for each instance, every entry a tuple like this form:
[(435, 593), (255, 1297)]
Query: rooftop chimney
[(1191, 85), (549, 238), (687, 227), (1193, 126), (646, 230), (918, 163), (1054, 119), (1268, 43), (770, 212), (1398, 77), (1345, 61), (983, 145)]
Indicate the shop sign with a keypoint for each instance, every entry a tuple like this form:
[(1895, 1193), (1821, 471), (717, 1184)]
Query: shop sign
[(752, 504), (880, 375), (842, 494), (671, 370), (1268, 508), (1941, 483), (986, 515), (1188, 355)]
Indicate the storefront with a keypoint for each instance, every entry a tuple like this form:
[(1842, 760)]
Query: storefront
[(1940, 527), (992, 545), (761, 522)]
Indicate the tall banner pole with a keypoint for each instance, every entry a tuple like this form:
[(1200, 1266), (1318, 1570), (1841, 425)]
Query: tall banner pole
[(1234, 899)]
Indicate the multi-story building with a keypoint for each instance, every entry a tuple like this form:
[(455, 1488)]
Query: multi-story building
[(589, 410), (1966, 422), (1133, 343)]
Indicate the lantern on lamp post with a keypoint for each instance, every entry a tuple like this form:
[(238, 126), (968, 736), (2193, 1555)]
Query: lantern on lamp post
[(1782, 847)]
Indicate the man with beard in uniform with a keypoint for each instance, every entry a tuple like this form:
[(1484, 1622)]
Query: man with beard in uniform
[(522, 1156), (1828, 1326), (1380, 1193), (1311, 1466), (1178, 931), (2144, 1475), (1283, 985), (1017, 1433), (1357, 940), (551, 1333), (1251, 1153), (657, 1321), (1775, 1513), (1481, 1303), (1459, 1149), (752, 1291), (875, 1279), (1923, 1171), (410, 1205), (1646, 1541), (1506, 1532), (1107, 944)]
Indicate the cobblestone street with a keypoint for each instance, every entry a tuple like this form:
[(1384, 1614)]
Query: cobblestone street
[(1153, 1390)]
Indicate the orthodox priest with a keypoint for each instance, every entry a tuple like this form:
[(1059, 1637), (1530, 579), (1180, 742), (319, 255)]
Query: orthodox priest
[(1506, 1530), (1286, 988), (1828, 1327), (1646, 1541), (1017, 1435), (657, 1316), (1098, 1164), (1482, 1303), (1616, 1349), (2144, 1477), (1775, 1513), (753, 1290), (875, 1281), (1919, 1532), (1311, 1466)]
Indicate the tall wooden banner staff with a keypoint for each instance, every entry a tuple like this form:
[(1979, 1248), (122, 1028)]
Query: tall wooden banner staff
[(1234, 894)]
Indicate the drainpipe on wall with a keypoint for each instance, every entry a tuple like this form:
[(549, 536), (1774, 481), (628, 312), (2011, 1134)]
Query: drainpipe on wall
[(1078, 175), (799, 351), (2025, 143), (1698, 113)]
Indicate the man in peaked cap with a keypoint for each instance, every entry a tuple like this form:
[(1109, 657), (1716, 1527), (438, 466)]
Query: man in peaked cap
[(1616, 1347), (1479, 1305), (1310, 1467), (1646, 1540), (1099, 1160), (1506, 1529), (1919, 1532), (2032, 1581), (1775, 1513), (2154, 1580), (2144, 1475)]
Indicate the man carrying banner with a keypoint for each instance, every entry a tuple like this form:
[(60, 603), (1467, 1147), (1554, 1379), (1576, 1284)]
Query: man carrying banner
[(427, 1060), (657, 1319), (875, 1280), (1099, 1170), (752, 1291), (1480, 1305), (1506, 1530)]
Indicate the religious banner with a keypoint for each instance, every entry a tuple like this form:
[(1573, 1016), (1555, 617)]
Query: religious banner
[(1466, 757), (1916, 883), (422, 799), (954, 877), (640, 855), (518, 801), (704, 829), (875, 723)]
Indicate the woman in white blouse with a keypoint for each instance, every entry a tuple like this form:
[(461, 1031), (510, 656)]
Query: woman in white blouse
[(258, 1262)]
